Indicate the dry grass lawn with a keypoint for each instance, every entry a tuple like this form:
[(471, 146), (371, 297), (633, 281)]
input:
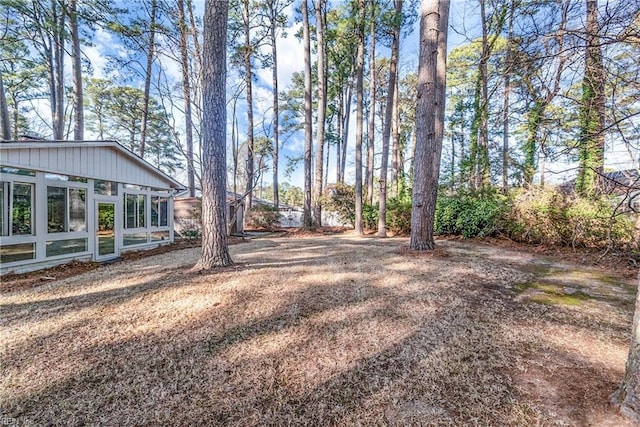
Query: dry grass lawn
[(333, 330)]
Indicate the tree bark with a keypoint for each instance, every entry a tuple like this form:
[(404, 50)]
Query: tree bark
[(372, 111), (592, 114), (276, 108), (57, 71), (308, 143), (322, 108), (76, 65), (627, 396), (5, 126), (386, 134), (147, 79), (248, 80), (359, 117), (215, 252), (429, 120), (506, 105), (186, 92)]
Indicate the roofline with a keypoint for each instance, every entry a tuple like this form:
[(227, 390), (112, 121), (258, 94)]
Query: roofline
[(4, 144)]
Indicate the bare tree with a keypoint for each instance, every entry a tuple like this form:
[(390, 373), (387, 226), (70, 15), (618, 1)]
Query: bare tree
[(308, 143), (76, 65), (371, 133), (390, 105), (359, 115), (429, 120), (186, 91), (322, 108), (215, 252), (147, 78)]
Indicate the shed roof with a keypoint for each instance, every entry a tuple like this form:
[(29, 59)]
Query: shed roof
[(107, 160)]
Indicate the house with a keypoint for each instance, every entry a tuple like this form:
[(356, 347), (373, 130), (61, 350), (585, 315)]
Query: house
[(89, 200), (188, 211)]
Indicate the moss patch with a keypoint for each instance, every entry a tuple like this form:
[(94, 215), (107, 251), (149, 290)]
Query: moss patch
[(552, 294)]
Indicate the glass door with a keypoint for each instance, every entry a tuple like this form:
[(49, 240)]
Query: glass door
[(105, 230)]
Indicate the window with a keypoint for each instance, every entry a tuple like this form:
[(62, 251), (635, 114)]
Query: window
[(16, 207), (64, 247), (134, 210), (22, 209), (159, 211), (66, 209), (107, 188), (19, 252)]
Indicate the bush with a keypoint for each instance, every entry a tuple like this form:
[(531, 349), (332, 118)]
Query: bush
[(546, 216), (470, 214), (340, 198), (263, 216), (399, 215), (370, 216)]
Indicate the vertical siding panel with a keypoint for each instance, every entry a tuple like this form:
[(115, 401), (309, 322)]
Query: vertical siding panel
[(75, 156), (34, 157)]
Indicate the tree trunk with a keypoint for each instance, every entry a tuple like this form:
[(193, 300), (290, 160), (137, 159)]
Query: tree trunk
[(396, 149), (345, 128), (76, 65), (372, 111), (248, 81), (215, 252), (505, 108), (186, 92), (483, 177), (627, 396), (322, 108), (592, 112), (5, 126), (57, 73), (308, 143), (429, 120), (147, 79), (276, 114), (386, 134), (359, 117)]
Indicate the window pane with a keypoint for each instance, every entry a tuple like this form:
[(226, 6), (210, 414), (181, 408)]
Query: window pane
[(155, 211), (15, 171), (164, 207), (56, 203), (21, 209), (141, 210), (77, 209), (107, 188), (130, 211), (134, 239), (21, 252), (159, 235), (63, 247)]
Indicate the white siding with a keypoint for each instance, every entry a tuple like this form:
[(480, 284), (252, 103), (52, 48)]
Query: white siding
[(106, 162)]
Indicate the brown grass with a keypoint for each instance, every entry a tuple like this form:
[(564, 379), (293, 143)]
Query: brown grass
[(308, 330)]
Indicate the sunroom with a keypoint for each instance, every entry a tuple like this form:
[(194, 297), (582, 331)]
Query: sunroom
[(89, 200)]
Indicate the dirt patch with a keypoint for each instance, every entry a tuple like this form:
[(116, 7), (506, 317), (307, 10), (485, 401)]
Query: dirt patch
[(320, 330)]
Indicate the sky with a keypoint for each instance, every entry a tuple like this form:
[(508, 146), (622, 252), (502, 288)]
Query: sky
[(463, 20)]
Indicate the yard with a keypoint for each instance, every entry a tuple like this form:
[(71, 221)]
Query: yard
[(331, 330)]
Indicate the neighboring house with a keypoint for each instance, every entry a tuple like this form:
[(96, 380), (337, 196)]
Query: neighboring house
[(188, 211), (89, 200)]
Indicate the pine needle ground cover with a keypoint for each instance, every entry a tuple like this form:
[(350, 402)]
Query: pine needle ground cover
[(331, 330)]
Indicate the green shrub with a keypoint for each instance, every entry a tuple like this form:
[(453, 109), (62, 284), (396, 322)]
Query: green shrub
[(470, 214), (370, 216), (399, 215), (263, 216)]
